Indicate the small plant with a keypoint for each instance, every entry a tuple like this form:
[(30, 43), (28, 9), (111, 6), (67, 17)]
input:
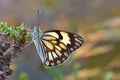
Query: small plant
[(56, 74), (12, 41)]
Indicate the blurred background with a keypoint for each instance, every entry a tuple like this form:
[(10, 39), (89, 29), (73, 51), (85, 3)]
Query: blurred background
[(97, 21)]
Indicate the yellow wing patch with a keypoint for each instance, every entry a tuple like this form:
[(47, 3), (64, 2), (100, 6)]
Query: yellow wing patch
[(48, 44), (53, 34), (62, 45)]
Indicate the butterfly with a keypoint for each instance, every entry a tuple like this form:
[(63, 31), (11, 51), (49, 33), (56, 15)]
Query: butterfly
[(55, 46)]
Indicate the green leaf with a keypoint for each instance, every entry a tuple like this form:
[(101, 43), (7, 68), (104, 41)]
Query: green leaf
[(75, 70), (7, 29), (109, 75), (23, 76), (55, 73)]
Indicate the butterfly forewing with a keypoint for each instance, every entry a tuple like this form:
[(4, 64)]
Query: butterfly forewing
[(58, 45)]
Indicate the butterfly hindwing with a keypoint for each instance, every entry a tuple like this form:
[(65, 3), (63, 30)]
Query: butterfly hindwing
[(58, 45)]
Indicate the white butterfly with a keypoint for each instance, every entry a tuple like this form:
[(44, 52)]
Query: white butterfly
[(55, 46)]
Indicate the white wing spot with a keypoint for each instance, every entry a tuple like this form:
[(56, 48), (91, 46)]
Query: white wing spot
[(54, 55), (53, 34), (58, 61), (75, 47), (81, 38), (59, 54), (50, 56), (66, 54), (48, 44), (66, 39), (47, 62), (78, 40), (71, 49), (77, 44), (63, 59), (52, 64)]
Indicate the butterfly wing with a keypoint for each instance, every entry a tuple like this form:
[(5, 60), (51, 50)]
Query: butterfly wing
[(40, 50), (58, 45)]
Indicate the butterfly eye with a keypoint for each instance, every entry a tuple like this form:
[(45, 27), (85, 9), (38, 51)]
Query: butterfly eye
[(34, 33)]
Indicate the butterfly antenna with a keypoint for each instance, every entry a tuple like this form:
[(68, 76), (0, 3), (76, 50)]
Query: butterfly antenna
[(38, 17)]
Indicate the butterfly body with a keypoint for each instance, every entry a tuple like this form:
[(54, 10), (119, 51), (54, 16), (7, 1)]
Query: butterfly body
[(55, 46), (36, 38)]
